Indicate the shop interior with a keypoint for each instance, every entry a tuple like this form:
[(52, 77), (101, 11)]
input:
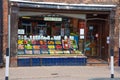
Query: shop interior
[(63, 34), (51, 34)]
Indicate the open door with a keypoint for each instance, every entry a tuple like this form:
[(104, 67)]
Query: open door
[(97, 32)]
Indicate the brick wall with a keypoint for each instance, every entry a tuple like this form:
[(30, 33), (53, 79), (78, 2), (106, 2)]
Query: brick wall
[(117, 25), (5, 29)]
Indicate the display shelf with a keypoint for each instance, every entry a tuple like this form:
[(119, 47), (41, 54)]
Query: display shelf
[(28, 52), (52, 61), (47, 46), (44, 52)]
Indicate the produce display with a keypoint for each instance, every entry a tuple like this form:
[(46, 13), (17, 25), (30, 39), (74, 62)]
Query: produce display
[(20, 46), (28, 46), (50, 42), (51, 47), (58, 42), (36, 46), (42, 42), (20, 41), (58, 47), (65, 44), (35, 42), (73, 44), (44, 47)]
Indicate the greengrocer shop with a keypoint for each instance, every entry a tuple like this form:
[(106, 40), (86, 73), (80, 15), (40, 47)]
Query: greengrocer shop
[(58, 33)]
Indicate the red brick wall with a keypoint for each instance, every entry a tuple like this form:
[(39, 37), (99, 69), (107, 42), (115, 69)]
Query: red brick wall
[(117, 25), (5, 29)]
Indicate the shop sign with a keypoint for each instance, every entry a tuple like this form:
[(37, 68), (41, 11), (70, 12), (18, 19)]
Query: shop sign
[(82, 37), (108, 40), (21, 31), (52, 19), (81, 31)]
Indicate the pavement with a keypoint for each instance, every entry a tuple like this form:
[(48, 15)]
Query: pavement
[(60, 73)]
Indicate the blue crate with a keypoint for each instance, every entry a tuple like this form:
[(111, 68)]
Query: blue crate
[(35, 61), (52, 62), (24, 62)]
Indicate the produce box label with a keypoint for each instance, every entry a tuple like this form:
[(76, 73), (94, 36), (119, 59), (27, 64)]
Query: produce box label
[(44, 52), (20, 52), (59, 52), (51, 51), (36, 51), (66, 52), (28, 52)]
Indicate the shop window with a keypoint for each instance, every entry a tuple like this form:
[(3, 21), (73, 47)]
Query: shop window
[(49, 37)]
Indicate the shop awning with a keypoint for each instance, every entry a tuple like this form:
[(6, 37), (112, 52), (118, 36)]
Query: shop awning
[(52, 5)]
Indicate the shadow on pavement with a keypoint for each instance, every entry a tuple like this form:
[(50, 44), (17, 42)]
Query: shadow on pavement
[(105, 79)]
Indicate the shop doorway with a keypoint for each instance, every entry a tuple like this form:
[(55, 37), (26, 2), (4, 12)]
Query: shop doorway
[(96, 39)]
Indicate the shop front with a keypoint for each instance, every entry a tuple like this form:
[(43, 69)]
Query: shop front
[(49, 34)]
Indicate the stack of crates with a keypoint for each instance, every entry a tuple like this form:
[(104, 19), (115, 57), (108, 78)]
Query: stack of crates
[(53, 61)]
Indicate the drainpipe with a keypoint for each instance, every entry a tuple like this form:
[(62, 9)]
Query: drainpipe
[(112, 24), (119, 33), (1, 32)]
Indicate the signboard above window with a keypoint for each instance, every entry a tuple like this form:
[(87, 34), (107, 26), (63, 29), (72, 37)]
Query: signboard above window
[(21, 31), (52, 19)]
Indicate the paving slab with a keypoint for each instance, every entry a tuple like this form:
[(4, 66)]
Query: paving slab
[(60, 73)]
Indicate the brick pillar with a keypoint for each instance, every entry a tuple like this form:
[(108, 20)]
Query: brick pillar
[(5, 27), (14, 31)]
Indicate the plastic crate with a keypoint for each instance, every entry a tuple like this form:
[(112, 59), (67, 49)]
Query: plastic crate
[(35, 62), (24, 62), (53, 61)]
